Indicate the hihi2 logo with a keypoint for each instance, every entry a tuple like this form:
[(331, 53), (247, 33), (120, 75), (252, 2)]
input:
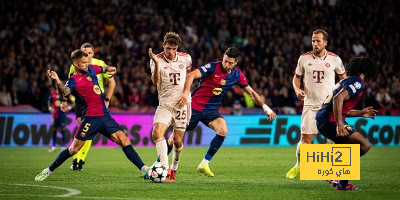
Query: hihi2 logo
[(330, 162)]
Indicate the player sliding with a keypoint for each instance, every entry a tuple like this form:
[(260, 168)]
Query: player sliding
[(84, 86), (340, 102), (216, 79)]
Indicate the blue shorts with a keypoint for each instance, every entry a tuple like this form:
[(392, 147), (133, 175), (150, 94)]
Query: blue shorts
[(205, 117), (328, 129), (89, 127), (60, 122)]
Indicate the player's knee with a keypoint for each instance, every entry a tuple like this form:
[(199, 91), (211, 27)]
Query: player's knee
[(73, 150), (222, 132), (306, 139), (156, 135), (125, 141), (365, 147)]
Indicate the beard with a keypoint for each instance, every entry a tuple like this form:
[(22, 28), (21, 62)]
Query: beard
[(317, 51)]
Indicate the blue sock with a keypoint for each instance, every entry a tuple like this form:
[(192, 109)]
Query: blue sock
[(54, 138), (362, 152), (133, 156), (63, 156), (215, 144), (344, 183), (63, 141), (169, 151)]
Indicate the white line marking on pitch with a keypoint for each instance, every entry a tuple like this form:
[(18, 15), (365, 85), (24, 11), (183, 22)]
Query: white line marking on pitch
[(71, 192)]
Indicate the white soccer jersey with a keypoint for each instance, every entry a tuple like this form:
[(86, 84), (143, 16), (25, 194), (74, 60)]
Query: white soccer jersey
[(318, 76), (172, 76)]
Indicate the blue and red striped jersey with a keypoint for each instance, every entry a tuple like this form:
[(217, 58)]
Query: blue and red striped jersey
[(89, 97), (354, 86), (56, 100), (214, 84)]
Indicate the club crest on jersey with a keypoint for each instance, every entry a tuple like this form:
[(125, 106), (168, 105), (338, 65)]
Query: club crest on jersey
[(181, 66), (58, 102), (327, 65), (83, 134), (88, 78), (96, 89), (217, 91), (223, 82)]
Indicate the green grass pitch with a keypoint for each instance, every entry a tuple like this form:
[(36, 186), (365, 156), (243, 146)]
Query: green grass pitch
[(240, 173)]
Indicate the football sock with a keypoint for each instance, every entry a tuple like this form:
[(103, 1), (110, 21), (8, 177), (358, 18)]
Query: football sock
[(54, 138), (131, 154), (215, 144), (176, 155), (204, 161), (85, 149), (64, 135), (344, 183), (161, 146), (298, 154), (169, 147), (63, 156)]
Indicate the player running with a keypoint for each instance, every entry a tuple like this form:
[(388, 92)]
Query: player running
[(216, 79), (168, 72), (84, 86), (318, 68), (339, 104)]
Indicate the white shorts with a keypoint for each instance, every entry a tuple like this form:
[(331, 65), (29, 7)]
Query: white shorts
[(308, 123), (171, 114)]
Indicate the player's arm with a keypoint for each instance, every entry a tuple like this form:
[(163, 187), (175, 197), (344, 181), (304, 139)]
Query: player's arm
[(338, 100), (256, 98), (296, 86), (110, 90), (195, 74), (368, 112), (64, 91), (155, 75)]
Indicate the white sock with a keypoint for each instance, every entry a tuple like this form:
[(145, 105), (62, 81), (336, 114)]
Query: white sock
[(204, 161), (48, 171), (298, 154), (176, 155), (161, 146)]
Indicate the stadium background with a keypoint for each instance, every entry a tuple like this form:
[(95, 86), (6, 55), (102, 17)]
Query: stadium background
[(39, 35)]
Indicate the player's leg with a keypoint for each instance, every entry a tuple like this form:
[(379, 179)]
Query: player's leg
[(54, 137), (220, 128), (63, 132), (160, 142), (63, 156), (177, 138), (354, 138), (113, 131), (308, 130), (75, 157), (83, 153)]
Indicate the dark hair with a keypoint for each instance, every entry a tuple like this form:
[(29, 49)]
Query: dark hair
[(362, 65), (78, 54), (87, 45), (232, 52), (323, 32), (172, 38)]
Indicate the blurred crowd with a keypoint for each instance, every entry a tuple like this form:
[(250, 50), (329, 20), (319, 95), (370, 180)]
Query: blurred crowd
[(40, 35)]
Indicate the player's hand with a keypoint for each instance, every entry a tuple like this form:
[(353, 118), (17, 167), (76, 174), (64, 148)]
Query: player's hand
[(52, 74), (271, 116), (152, 55), (183, 99), (64, 106), (369, 112), (341, 131), (111, 70), (51, 109), (107, 103), (300, 94)]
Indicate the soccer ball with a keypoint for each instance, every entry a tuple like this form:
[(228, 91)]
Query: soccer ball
[(158, 173)]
